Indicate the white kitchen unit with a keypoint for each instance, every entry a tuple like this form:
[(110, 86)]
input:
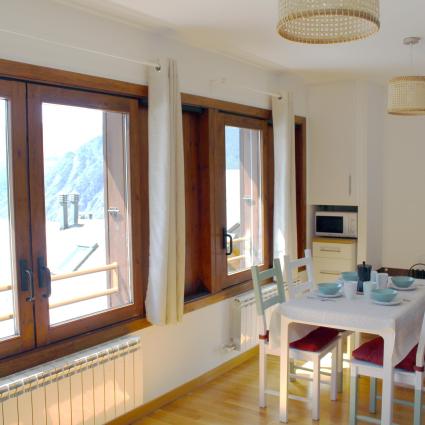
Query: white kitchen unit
[(331, 256), (332, 133), (345, 144)]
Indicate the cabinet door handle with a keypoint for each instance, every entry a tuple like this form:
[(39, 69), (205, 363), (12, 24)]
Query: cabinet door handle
[(349, 185), (330, 272), (330, 250)]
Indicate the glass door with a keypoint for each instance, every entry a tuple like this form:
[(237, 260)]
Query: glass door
[(80, 192), (16, 279)]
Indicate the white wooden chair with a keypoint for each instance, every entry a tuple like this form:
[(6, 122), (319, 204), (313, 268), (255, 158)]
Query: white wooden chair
[(300, 289), (409, 372), (327, 345)]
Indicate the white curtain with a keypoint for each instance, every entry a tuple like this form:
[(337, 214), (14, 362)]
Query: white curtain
[(284, 214), (165, 293)]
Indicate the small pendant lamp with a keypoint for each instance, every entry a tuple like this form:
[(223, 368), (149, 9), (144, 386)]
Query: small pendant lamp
[(406, 94)]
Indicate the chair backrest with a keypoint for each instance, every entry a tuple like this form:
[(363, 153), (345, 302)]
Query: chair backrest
[(421, 348), (260, 277), (299, 289)]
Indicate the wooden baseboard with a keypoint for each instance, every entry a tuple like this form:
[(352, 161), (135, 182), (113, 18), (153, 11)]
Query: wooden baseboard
[(178, 392)]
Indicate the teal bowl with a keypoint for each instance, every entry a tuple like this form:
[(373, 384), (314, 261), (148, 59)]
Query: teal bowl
[(329, 288), (385, 295), (350, 276), (402, 281)]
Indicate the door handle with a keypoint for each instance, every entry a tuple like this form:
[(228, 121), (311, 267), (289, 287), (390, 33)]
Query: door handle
[(27, 281), (44, 277), (225, 237)]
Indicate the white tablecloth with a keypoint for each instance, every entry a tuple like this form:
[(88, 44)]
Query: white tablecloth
[(298, 330), (361, 315)]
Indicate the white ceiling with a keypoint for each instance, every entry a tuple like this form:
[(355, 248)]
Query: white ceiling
[(245, 29)]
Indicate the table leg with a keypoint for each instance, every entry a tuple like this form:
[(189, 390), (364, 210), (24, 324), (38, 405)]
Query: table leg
[(387, 379), (284, 369)]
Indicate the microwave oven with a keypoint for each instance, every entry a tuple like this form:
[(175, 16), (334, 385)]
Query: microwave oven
[(335, 224)]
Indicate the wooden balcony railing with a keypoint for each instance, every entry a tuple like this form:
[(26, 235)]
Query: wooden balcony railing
[(113, 267), (5, 317), (4, 288)]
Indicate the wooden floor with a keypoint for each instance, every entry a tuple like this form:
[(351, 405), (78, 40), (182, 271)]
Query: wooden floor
[(232, 399)]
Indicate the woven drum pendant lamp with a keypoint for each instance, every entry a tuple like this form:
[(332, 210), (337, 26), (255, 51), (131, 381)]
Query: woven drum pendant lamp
[(406, 95), (327, 21)]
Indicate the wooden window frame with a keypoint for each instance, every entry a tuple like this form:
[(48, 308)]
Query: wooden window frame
[(219, 200), (37, 95), (17, 353), (15, 93), (27, 73), (301, 183)]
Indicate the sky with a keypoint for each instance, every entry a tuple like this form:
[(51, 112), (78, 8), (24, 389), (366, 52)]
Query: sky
[(66, 128)]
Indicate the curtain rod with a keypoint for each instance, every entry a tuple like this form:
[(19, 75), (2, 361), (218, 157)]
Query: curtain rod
[(155, 65), (241, 86)]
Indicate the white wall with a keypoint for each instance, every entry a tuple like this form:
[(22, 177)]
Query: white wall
[(54, 21), (174, 354), (404, 196)]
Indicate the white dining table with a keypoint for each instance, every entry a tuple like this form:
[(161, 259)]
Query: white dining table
[(398, 325)]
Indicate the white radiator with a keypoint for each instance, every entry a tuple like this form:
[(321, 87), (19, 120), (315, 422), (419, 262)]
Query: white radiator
[(244, 322), (89, 388)]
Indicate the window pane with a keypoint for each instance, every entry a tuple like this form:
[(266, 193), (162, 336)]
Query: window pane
[(244, 213), (87, 210), (8, 302)]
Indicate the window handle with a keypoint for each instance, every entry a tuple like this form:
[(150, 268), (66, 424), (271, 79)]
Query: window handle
[(225, 245), (114, 211), (27, 281), (44, 277)]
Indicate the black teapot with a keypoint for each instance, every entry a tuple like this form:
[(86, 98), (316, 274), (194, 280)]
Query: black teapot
[(363, 270)]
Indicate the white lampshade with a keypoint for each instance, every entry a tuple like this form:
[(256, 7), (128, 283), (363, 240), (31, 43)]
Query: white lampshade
[(406, 96), (327, 21)]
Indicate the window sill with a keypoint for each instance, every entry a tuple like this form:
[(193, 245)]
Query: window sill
[(37, 356), (206, 300)]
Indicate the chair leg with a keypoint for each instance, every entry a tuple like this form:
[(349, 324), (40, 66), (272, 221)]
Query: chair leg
[(263, 375), (353, 397), (340, 361), (292, 370), (372, 395), (316, 389), (334, 374)]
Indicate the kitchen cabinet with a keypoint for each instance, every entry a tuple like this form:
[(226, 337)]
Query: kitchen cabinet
[(345, 144), (332, 136), (332, 256)]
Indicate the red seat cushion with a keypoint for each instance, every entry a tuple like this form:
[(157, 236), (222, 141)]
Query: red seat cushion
[(315, 340), (373, 352)]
